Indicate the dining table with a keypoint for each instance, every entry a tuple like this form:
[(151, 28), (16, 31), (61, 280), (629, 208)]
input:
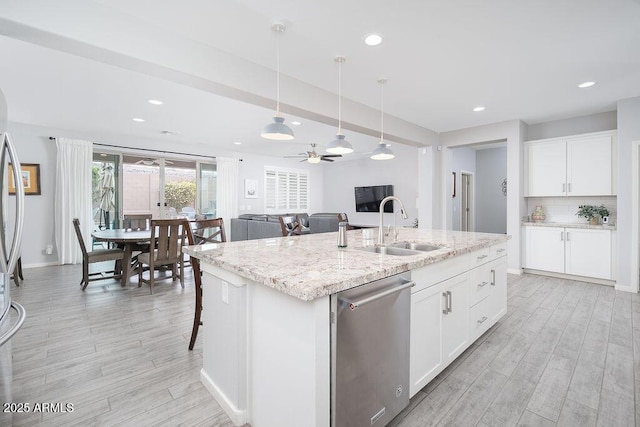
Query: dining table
[(127, 239)]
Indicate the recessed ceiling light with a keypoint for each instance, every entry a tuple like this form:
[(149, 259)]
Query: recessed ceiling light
[(237, 142), (137, 119), (478, 108), (586, 84), (296, 123), (373, 39), (155, 102)]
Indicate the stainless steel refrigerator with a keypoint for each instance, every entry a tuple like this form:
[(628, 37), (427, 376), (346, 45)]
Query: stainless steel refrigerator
[(11, 222)]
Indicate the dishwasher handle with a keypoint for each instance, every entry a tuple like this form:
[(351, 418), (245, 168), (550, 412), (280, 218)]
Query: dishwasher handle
[(355, 304)]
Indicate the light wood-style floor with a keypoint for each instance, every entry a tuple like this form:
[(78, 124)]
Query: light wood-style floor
[(565, 354)]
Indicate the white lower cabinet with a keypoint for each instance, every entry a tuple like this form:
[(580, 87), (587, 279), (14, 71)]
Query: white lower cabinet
[(446, 297), (576, 251)]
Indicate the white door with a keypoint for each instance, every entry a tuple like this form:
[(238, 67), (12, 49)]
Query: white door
[(545, 248), (589, 166), (425, 337), (466, 188), (588, 253), (454, 326), (547, 168)]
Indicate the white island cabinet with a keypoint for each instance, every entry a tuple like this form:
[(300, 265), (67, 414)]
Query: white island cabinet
[(266, 331)]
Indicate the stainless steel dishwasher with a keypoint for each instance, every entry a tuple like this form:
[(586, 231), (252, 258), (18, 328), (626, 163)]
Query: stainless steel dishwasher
[(370, 352)]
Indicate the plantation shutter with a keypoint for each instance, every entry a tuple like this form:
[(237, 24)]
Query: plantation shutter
[(286, 190)]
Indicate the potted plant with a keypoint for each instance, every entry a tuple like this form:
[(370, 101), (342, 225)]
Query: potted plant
[(592, 213)]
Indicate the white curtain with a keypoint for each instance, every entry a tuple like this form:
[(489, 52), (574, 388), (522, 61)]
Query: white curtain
[(73, 197), (227, 191)]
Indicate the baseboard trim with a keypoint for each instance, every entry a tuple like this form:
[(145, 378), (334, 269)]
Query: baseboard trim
[(238, 416), (40, 264), (517, 271), (571, 277)]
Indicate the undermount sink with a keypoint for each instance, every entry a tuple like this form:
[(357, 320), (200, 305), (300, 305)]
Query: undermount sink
[(389, 250), (422, 247)]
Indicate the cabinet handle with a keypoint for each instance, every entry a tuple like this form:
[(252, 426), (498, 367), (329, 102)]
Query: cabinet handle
[(501, 250), (564, 188), (484, 319), (493, 277), (569, 185), (562, 236), (448, 304), (482, 257), (568, 236), (483, 284)]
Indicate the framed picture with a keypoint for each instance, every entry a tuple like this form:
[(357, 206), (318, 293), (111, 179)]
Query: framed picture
[(30, 179), (250, 188)]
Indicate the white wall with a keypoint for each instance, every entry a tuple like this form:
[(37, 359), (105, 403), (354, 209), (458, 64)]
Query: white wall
[(33, 146), (401, 172), (573, 126), (627, 221), (462, 159), (252, 167), (491, 203)]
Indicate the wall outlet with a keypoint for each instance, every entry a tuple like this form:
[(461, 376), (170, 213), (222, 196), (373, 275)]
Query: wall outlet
[(49, 249), (225, 292)]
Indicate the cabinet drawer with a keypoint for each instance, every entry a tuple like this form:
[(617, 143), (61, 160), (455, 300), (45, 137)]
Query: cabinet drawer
[(499, 250), (480, 257), (480, 318), (479, 284)]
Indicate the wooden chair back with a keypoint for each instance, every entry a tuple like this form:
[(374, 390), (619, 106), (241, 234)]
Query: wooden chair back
[(169, 235), (290, 225), (342, 217), (76, 226), (136, 221), (207, 231)]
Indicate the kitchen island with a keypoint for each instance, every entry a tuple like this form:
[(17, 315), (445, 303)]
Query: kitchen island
[(267, 316)]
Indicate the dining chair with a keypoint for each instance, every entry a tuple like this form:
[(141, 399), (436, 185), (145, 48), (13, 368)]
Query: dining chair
[(169, 235), (303, 220), (290, 225), (208, 231), (201, 232), (98, 255), (342, 217), (136, 221)]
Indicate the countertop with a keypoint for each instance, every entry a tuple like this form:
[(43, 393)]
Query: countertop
[(312, 266), (568, 225)]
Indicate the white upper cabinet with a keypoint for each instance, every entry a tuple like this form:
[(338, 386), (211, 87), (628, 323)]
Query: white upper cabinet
[(574, 166), (547, 168)]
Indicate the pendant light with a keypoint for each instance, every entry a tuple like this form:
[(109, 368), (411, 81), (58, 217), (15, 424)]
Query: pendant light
[(382, 152), (277, 130), (339, 145)]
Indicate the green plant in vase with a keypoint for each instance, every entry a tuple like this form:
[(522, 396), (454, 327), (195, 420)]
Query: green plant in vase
[(592, 213)]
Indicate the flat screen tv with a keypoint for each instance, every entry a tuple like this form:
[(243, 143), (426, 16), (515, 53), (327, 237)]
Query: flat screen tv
[(368, 198)]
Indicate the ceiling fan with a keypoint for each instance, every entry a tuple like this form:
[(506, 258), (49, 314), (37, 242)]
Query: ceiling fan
[(151, 162), (313, 157)]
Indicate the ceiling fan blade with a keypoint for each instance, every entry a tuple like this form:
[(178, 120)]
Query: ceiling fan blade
[(295, 157), (327, 160), (332, 155)]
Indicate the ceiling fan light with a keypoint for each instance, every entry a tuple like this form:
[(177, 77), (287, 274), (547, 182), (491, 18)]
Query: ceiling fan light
[(277, 130), (314, 160), (339, 146), (382, 152)]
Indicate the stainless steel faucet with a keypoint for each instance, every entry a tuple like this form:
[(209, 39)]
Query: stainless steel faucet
[(382, 203)]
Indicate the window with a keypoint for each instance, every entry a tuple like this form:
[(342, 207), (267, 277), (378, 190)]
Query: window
[(286, 190)]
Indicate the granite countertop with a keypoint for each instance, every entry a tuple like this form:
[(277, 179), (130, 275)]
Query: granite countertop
[(568, 225), (311, 266)]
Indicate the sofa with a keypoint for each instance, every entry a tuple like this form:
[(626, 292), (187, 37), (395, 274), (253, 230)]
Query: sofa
[(262, 226)]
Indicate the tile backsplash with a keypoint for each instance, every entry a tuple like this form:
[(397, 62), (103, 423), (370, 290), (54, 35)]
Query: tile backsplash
[(563, 209)]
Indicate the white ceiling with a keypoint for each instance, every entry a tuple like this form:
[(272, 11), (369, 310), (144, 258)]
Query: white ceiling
[(520, 59)]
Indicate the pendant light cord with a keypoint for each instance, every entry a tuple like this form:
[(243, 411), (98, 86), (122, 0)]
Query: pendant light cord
[(278, 74), (381, 112), (340, 98)]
